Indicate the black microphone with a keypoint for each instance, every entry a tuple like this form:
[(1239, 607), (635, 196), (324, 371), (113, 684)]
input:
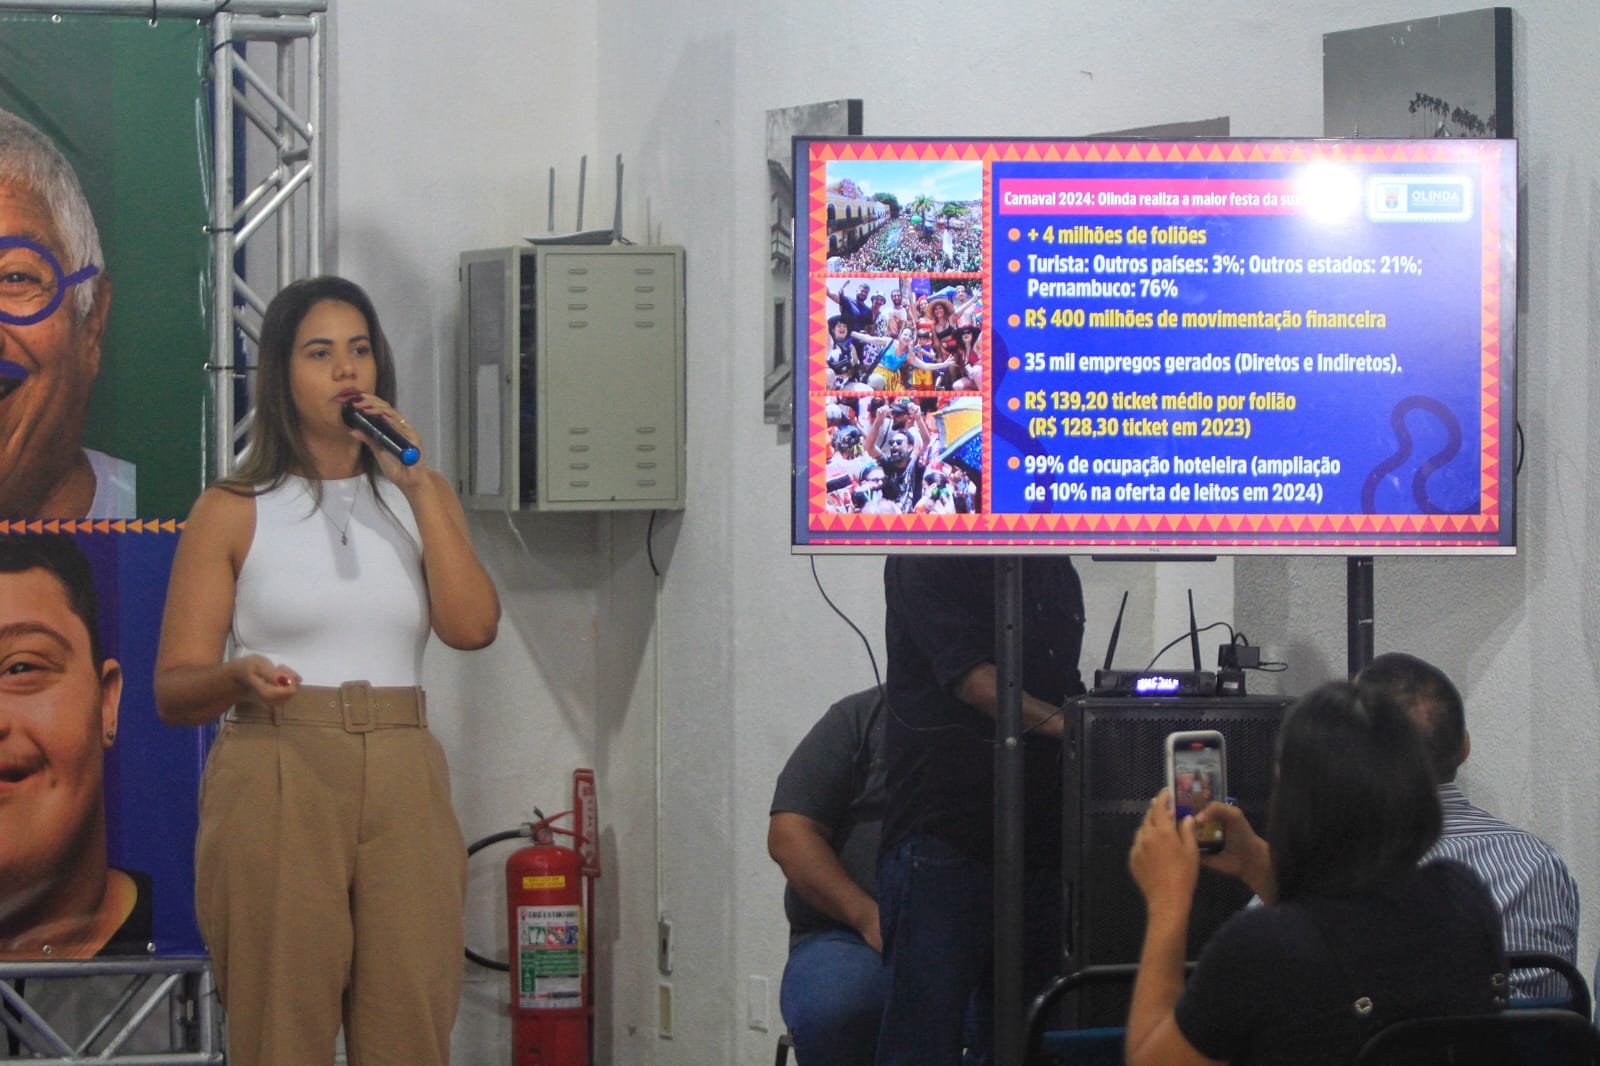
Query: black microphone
[(378, 429)]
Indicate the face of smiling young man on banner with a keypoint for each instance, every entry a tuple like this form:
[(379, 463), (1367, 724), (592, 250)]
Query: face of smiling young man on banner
[(59, 702)]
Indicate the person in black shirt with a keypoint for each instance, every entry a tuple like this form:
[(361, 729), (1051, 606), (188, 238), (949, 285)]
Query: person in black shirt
[(935, 871), (1354, 934), (826, 820)]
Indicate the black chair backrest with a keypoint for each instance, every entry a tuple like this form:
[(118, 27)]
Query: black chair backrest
[(1577, 987), (1535, 1036)]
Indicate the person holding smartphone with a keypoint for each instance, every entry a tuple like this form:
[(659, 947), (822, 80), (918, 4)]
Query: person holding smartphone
[(1354, 935)]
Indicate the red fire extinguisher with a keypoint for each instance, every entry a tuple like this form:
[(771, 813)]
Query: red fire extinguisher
[(549, 908)]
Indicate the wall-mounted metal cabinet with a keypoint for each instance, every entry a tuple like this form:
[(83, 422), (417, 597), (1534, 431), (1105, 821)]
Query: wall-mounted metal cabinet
[(572, 378)]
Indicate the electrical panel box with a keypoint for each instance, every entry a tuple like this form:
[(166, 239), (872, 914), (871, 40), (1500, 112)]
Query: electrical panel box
[(572, 378)]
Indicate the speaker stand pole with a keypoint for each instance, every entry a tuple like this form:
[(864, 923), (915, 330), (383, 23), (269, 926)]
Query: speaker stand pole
[(1358, 611), (1009, 1008)]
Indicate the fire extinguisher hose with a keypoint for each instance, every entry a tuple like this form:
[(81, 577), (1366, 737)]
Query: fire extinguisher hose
[(522, 832)]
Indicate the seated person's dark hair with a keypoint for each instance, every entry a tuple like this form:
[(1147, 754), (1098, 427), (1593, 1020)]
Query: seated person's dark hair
[(1423, 689), (1355, 803)]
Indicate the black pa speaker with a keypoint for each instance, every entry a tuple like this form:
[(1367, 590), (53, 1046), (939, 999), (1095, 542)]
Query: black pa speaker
[(1113, 761)]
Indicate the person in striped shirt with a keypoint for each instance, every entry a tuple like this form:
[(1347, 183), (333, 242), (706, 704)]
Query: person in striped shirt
[(1537, 896)]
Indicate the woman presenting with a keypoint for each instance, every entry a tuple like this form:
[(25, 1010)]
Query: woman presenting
[(330, 868)]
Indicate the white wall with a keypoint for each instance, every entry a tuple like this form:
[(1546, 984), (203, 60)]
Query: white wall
[(444, 122)]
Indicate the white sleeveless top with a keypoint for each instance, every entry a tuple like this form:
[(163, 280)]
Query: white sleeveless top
[(331, 611)]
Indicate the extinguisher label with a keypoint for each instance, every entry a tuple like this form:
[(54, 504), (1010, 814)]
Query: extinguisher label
[(550, 957), (544, 881)]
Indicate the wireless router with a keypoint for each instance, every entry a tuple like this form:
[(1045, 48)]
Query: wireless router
[(581, 235), (1153, 682)]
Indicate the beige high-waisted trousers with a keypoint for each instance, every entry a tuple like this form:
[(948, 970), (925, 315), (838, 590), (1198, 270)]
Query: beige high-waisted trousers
[(330, 877)]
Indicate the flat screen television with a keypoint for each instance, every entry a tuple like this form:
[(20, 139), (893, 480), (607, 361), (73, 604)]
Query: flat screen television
[(1155, 347)]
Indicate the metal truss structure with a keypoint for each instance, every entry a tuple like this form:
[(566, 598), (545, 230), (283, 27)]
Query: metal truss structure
[(269, 167), (268, 160), (126, 995)]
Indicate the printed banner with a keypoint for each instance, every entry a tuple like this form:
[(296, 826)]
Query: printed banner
[(104, 337), (120, 388)]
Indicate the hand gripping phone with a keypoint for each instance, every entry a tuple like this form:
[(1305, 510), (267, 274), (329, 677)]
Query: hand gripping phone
[(1197, 773)]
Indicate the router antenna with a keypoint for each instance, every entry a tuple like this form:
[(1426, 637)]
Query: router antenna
[(550, 225), (583, 175), (1194, 633), (1116, 631), (616, 217)]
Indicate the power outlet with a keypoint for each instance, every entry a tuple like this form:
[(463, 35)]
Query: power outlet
[(756, 1003), (664, 1011)]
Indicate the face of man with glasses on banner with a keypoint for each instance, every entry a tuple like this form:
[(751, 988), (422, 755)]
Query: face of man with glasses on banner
[(54, 299)]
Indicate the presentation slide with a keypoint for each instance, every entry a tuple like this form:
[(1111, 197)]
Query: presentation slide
[(1237, 346)]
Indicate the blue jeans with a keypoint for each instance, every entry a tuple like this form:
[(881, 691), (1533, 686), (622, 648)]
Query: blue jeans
[(832, 998), (936, 909)]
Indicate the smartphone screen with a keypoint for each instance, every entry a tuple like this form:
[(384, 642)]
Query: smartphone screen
[(1196, 775)]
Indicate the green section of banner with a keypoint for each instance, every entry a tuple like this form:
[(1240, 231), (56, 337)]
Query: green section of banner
[(127, 104)]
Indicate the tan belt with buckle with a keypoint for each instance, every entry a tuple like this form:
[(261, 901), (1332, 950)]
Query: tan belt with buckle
[(354, 706)]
